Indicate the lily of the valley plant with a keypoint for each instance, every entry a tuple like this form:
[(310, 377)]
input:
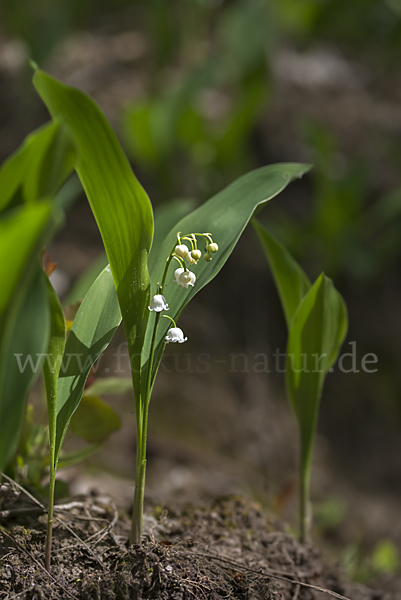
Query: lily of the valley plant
[(317, 324), (138, 286)]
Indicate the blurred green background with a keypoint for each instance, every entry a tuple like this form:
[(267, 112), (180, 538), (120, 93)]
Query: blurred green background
[(200, 91)]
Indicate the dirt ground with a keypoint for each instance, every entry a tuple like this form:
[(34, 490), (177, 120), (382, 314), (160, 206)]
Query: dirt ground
[(229, 549)]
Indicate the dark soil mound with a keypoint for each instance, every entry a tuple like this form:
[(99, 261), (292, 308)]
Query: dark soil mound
[(230, 550)]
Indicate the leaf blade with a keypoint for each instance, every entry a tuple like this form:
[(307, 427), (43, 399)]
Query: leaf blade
[(39, 166), (225, 215), (92, 330), (19, 237), (291, 280), (51, 367), (26, 335), (120, 205), (318, 329)]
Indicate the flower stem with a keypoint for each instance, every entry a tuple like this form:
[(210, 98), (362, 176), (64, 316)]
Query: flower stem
[(161, 286), (172, 320)]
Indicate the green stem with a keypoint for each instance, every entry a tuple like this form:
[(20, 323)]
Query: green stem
[(172, 320), (157, 361), (161, 286), (141, 442), (305, 506), (53, 469), (49, 532), (137, 512)]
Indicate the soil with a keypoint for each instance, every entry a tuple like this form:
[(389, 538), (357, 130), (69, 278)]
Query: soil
[(230, 549)]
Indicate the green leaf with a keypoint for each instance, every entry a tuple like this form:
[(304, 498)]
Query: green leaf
[(39, 167), (92, 330), (36, 170), (109, 385), (291, 281), (94, 420), (22, 347), (120, 205), (19, 237), (318, 329), (225, 216), (51, 367)]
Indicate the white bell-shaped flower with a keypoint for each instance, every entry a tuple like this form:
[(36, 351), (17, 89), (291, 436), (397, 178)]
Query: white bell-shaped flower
[(185, 278), (177, 274), (158, 303), (175, 334), (181, 250)]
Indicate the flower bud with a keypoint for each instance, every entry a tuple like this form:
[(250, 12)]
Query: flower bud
[(175, 334), (190, 259), (158, 303), (213, 247), (196, 254), (181, 250), (207, 257)]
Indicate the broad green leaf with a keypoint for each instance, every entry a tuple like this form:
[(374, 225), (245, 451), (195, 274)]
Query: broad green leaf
[(292, 282), (22, 347), (109, 385), (120, 205), (39, 167), (225, 216), (51, 367), (11, 179), (318, 329), (94, 420), (19, 237), (92, 330)]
